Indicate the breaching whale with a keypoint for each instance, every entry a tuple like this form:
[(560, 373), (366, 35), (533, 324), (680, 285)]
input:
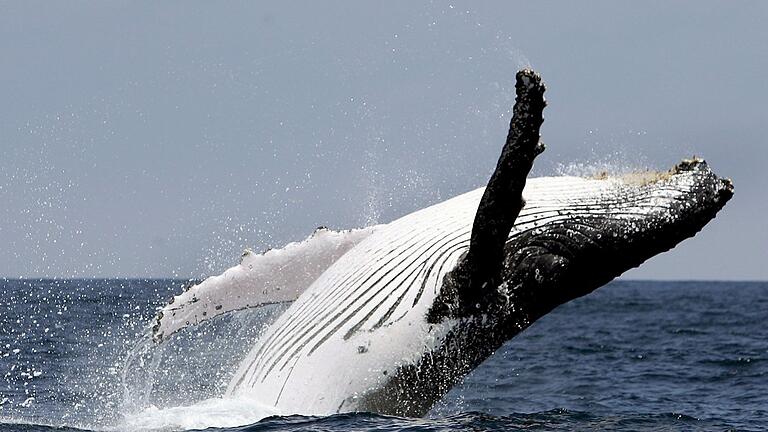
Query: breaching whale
[(388, 318)]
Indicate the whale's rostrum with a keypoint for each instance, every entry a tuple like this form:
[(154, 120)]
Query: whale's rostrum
[(391, 317)]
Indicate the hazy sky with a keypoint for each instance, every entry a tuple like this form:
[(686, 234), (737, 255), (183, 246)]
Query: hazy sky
[(162, 138)]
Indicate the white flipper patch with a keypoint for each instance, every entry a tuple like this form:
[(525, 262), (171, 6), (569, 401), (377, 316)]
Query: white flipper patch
[(277, 275)]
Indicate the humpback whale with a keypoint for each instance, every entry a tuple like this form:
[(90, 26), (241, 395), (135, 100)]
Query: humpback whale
[(388, 318)]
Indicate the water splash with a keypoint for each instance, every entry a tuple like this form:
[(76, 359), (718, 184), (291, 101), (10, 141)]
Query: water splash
[(181, 382), (616, 163)]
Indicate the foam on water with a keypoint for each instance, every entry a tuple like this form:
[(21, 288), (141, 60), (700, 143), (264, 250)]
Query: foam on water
[(214, 412)]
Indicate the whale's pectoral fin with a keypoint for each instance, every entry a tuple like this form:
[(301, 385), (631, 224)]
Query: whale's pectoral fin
[(275, 276), (468, 286)]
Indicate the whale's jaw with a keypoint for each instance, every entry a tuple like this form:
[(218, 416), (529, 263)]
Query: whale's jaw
[(650, 214), (591, 241)]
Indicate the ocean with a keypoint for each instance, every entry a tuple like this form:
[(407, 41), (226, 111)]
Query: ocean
[(634, 355)]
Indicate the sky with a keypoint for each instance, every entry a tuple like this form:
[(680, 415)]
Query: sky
[(160, 139)]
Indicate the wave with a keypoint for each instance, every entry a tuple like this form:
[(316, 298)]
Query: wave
[(229, 415)]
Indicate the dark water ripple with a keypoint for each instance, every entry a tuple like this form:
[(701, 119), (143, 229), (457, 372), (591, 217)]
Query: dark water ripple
[(632, 356), (553, 420)]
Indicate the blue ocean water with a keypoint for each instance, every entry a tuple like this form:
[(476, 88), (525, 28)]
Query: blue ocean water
[(634, 355)]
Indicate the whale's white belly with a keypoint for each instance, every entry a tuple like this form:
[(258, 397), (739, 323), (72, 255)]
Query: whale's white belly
[(364, 316), (383, 287)]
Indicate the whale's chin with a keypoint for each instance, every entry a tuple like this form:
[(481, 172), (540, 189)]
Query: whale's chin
[(559, 249), (601, 238)]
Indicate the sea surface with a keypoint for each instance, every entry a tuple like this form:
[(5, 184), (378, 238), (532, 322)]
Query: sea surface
[(632, 356)]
